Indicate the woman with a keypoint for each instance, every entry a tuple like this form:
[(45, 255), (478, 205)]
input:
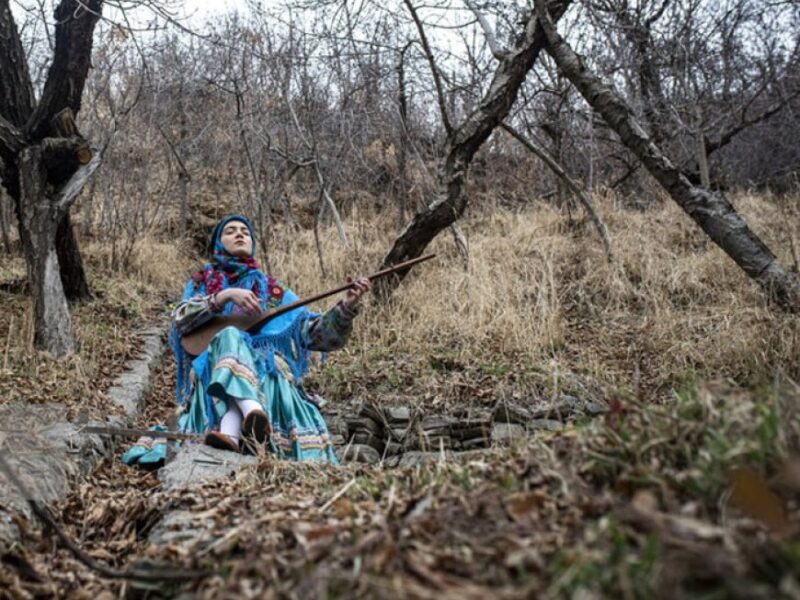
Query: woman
[(244, 389)]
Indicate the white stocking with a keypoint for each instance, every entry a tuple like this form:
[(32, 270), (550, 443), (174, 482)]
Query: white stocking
[(231, 423), (248, 406)]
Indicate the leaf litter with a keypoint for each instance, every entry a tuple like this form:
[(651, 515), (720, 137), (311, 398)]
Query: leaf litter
[(543, 518)]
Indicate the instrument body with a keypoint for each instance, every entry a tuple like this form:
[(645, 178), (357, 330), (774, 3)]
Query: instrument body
[(196, 341)]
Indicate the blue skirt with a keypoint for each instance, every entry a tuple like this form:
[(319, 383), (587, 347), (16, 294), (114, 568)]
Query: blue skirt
[(297, 432)]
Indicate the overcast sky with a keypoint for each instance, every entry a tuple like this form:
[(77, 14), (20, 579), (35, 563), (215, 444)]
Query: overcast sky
[(212, 6)]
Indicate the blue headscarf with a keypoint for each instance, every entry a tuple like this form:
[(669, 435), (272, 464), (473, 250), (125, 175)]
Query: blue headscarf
[(282, 335)]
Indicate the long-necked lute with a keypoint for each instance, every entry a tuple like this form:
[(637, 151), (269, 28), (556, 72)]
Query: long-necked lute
[(197, 340)]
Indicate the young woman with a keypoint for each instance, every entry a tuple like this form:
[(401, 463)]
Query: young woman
[(244, 389)]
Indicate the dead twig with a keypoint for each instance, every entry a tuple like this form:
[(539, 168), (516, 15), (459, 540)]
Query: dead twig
[(337, 495)]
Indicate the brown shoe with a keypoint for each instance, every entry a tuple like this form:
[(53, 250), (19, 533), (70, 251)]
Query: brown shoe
[(255, 426), (220, 441)]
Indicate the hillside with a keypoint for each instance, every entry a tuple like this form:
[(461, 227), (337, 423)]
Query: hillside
[(685, 486)]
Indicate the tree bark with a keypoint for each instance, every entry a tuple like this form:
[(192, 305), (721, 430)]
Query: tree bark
[(71, 60), (462, 144), (41, 150), (16, 91), (4, 219), (403, 137), (710, 210), (39, 217), (73, 275)]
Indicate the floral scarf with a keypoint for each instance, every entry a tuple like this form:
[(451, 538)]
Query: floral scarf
[(226, 270)]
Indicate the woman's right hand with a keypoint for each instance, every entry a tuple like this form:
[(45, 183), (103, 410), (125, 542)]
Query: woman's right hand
[(245, 299)]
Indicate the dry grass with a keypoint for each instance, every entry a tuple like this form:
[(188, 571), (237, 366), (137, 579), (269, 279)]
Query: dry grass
[(538, 309), (539, 293)]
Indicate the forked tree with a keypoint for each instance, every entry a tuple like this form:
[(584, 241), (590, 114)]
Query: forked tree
[(715, 215), (465, 138), (45, 160)]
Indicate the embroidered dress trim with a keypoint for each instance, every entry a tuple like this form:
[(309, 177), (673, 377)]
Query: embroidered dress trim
[(238, 369), (307, 439)]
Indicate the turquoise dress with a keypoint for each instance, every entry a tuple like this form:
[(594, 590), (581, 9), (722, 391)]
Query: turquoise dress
[(234, 367), (239, 366)]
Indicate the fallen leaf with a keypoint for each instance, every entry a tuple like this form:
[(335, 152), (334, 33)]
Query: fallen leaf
[(750, 493), (520, 506)]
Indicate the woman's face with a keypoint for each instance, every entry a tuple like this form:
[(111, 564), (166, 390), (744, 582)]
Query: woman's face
[(236, 239)]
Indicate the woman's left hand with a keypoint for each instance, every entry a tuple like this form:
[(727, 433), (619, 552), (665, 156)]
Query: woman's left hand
[(360, 287)]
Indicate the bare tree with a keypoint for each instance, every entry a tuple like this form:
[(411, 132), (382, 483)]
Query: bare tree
[(464, 139), (45, 160), (710, 210), (692, 72)]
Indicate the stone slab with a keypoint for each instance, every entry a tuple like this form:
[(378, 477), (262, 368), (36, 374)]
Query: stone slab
[(180, 526), (397, 415), (130, 388), (504, 434), (363, 424), (195, 465), (360, 453), (369, 439), (545, 425)]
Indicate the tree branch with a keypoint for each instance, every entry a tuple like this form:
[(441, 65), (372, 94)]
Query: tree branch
[(62, 156), (711, 211), (75, 184), (75, 22), (325, 197), (648, 23), (11, 141), (573, 185), (43, 514), (437, 79), (497, 50), (464, 142), (744, 123), (181, 167), (16, 91)]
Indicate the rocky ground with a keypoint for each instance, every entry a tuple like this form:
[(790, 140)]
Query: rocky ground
[(556, 497)]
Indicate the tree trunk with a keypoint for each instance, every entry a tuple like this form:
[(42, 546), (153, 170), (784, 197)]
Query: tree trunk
[(702, 156), (183, 198), (5, 201), (462, 144), (73, 276), (41, 149), (183, 175), (88, 209), (710, 210), (39, 218), (402, 145)]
